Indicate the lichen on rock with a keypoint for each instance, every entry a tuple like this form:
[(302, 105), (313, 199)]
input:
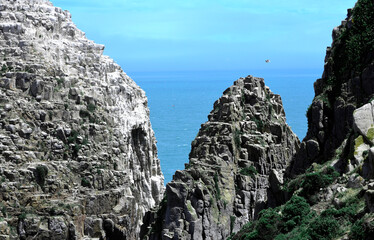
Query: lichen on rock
[(332, 172), (78, 155), (226, 182)]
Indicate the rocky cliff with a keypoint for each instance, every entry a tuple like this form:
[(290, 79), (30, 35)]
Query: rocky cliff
[(77, 151), (346, 84), (330, 181), (235, 170)]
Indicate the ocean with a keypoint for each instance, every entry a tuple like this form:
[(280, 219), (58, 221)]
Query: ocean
[(180, 102)]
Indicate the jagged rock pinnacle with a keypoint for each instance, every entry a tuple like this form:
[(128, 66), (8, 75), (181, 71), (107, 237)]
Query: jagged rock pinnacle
[(236, 167)]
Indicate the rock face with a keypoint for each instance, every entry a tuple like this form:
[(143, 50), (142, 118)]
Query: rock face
[(77, 151), (332, 174), (235, 170), (347, 83)]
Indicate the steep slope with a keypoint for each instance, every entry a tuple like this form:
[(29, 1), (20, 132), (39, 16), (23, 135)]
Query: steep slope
[(347, 84), (77, 151), (235, 169), (331, 178)]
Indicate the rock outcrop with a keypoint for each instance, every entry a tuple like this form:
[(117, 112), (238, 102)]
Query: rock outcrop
[(363, 124), (77, 151), (330, 181), (347, 83), (235, 170)]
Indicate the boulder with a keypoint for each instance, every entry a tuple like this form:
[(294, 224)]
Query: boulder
[(363, 121)]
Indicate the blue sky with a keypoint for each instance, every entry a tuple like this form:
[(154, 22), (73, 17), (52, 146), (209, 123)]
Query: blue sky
[(183, 35)]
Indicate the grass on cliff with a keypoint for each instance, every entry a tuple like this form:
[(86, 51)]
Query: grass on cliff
[(296, 220), (363, 228), (248, 171), (41, 173), (85, 183), (216, 186), (309, 183), (259, 123), (237, 138), (355, 44)]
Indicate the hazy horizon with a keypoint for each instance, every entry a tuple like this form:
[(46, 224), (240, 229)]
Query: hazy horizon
[(193, 35)]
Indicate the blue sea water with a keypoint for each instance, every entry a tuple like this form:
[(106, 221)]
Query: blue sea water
[(180, 102)]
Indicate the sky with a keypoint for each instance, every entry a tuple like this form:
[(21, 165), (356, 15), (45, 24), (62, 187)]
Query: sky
[(190, 35)]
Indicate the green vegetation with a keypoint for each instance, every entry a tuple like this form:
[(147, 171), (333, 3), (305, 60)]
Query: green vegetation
[(73, 136), (358, 142), (370, 134), (41, 173), (295, 209), (358, 230), (91, 107), (232, 223), (60, 81), (52, 211), (4, 69), (22, 216), (85, 141), (85, 183), (270, 109), (268, 96), (295, 220), (50, 115), (237, 138), (259, 124), (28, 69), (84, 114), (89, 113), (248, 171), (157, 225), (73, 139), (324, 227), (60, 84), (355, 43), (3, 209), (242, 98), (216, 185), (310, 182), (324, 98), (316, 180), (363, 228)]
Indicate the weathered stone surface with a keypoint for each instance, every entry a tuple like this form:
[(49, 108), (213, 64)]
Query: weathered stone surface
[(4, 228), (276, 182), (364, 121), (226, 182), (343, 101), (76, 142), (369, 198), (368, 166), (340, 137)]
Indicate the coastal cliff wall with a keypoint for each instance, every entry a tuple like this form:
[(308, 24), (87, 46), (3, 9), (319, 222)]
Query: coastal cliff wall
[(329, 183), (235, 170), (346, 84), (77, 151)]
